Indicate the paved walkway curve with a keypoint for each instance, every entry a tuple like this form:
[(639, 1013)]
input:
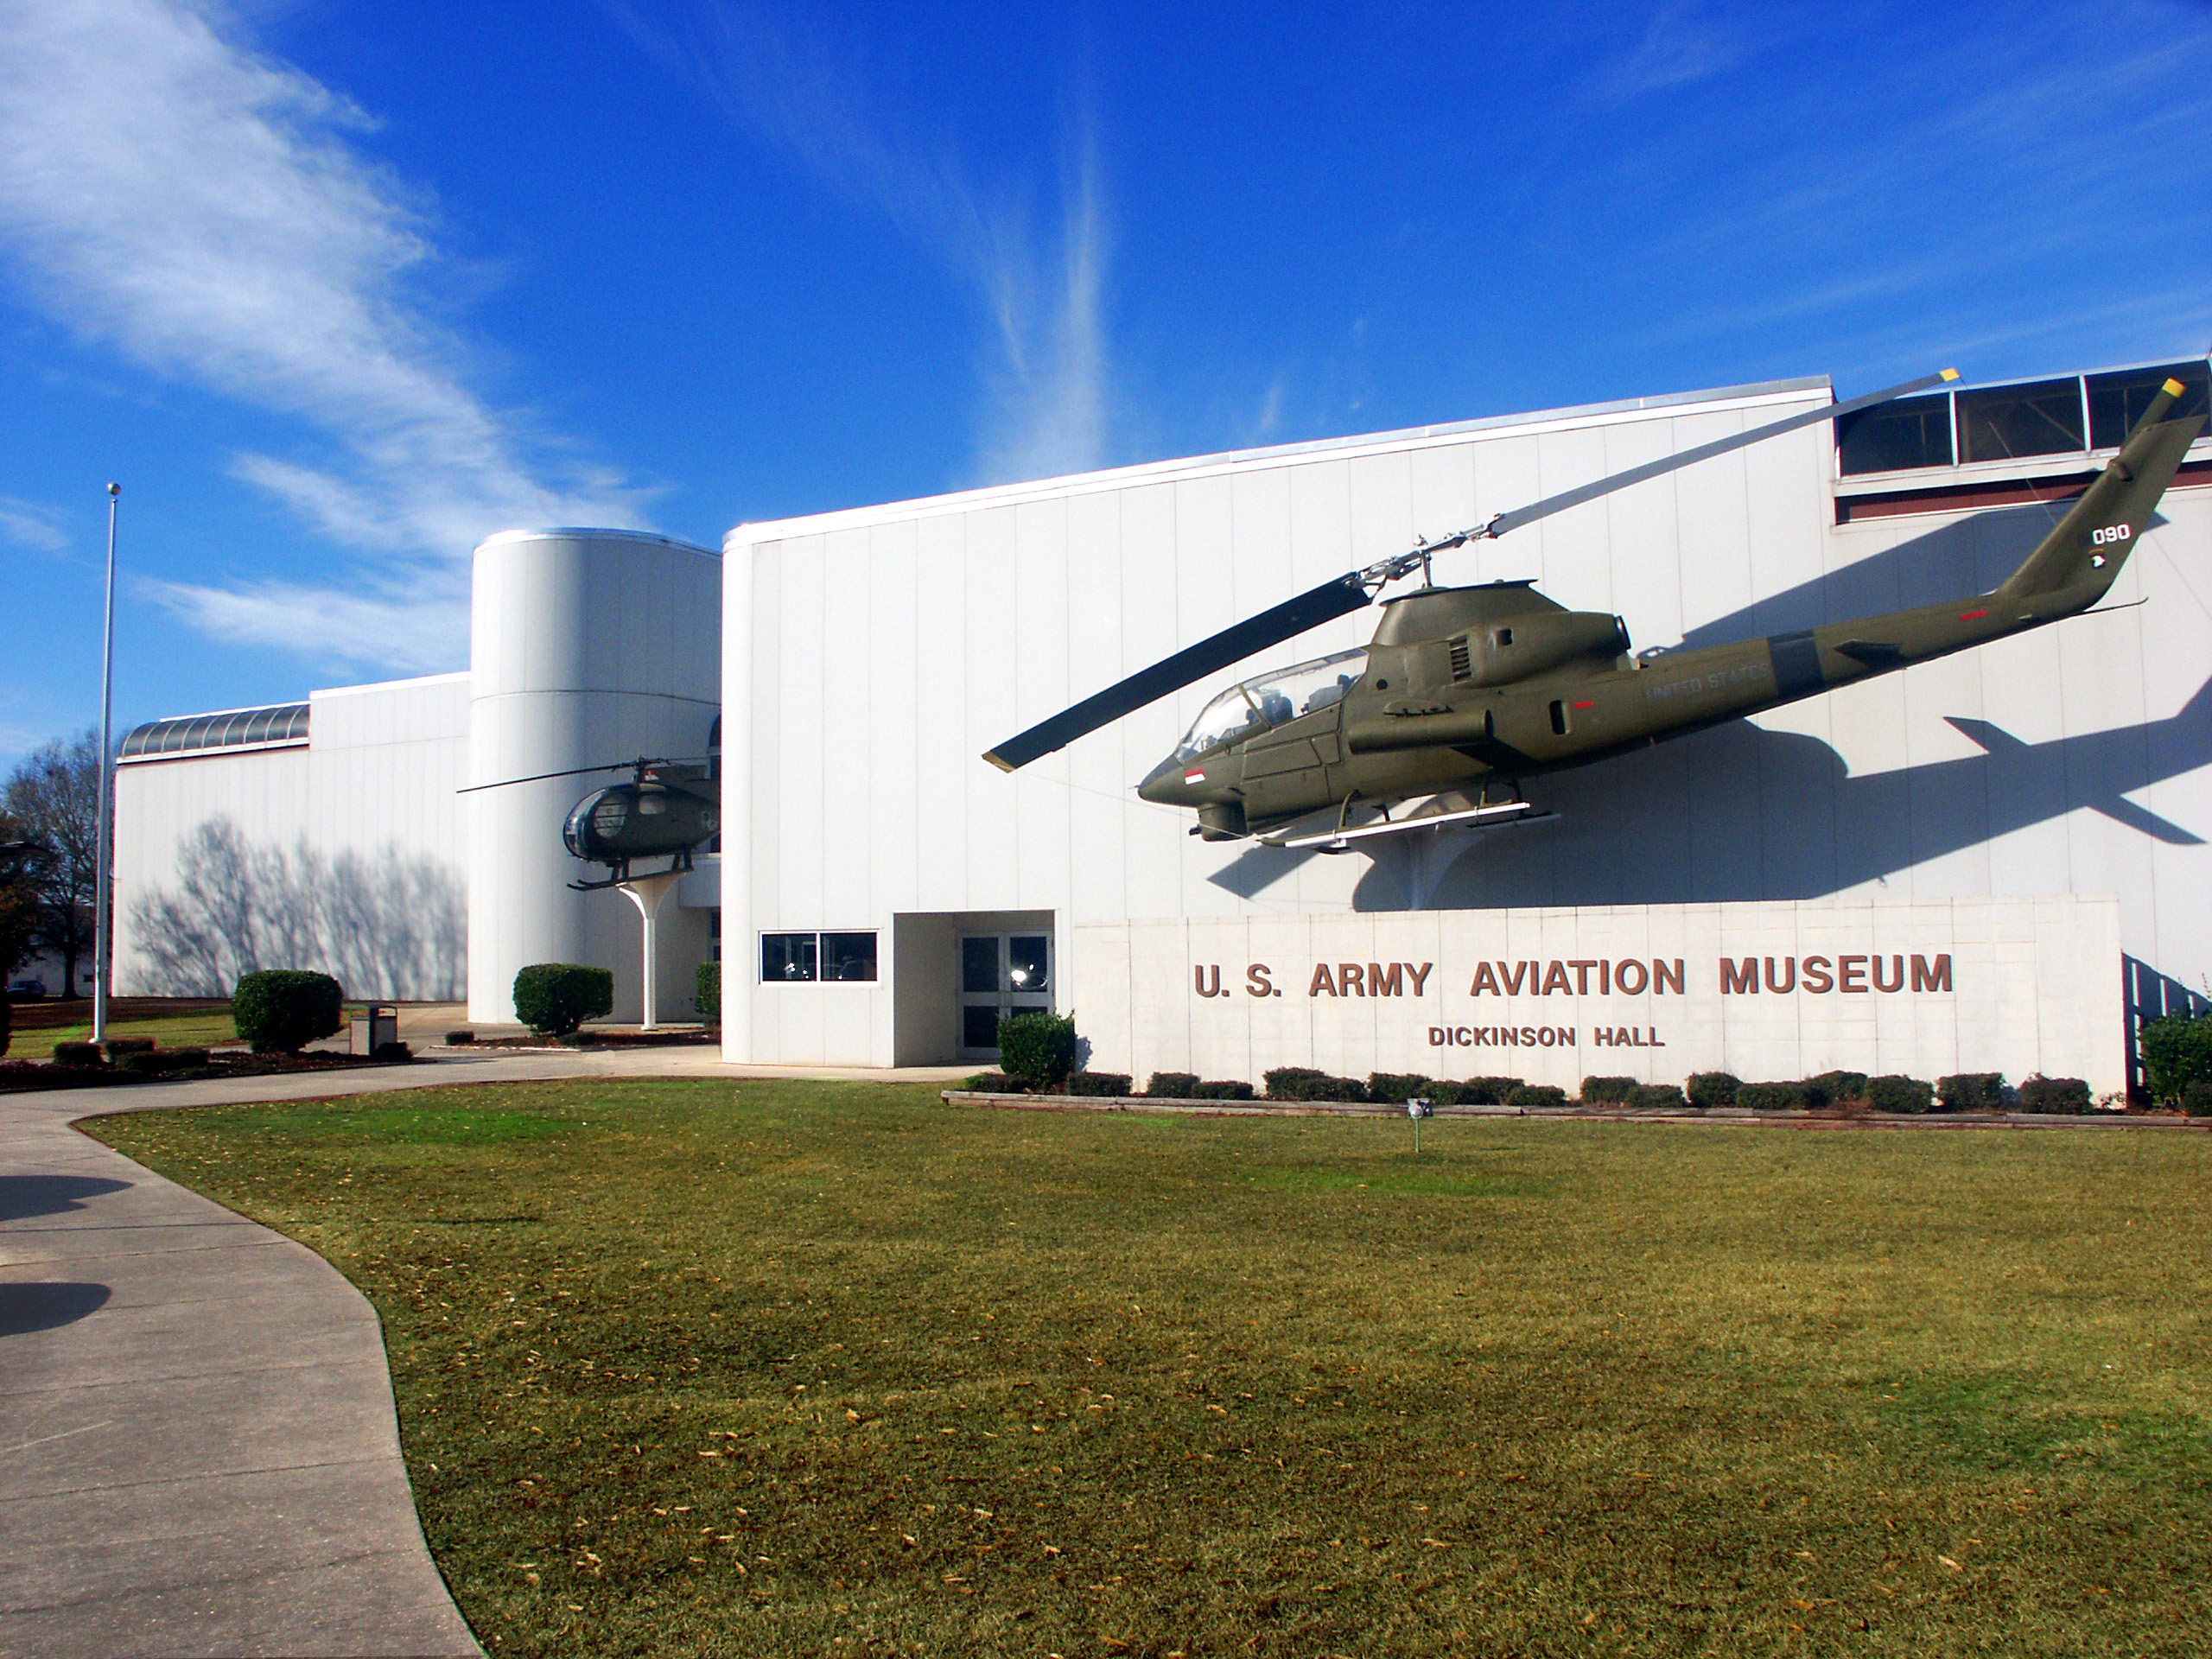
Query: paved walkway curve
[(198, 1449)]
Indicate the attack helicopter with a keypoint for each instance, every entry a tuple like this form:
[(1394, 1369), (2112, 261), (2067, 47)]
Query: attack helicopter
[(667, 810), (1465, 689)]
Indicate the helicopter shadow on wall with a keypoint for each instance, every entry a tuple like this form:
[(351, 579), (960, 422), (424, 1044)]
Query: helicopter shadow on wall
[(1740, 812)]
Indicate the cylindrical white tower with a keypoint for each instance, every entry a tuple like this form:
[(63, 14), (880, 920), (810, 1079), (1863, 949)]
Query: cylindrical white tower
[(588, 647)]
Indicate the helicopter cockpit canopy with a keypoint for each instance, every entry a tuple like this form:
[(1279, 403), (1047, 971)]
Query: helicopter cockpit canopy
[(1255, 705)]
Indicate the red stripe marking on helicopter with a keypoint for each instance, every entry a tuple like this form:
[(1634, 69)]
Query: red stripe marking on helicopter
[(1591, 703), (1194, 777), (1972, 616)]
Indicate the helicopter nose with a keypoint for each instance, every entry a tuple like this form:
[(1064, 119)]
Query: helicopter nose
[(1168, 786)]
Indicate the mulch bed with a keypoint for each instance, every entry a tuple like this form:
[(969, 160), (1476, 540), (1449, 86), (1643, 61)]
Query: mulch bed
[(699, 1038), (49, 1013), (21, 1076)]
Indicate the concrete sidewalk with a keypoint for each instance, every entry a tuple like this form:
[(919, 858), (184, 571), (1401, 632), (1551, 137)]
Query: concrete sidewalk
[(198, 1450)]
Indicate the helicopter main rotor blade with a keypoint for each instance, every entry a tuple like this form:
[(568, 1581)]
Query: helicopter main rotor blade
[(1337, 597), (1575, 498), (579, 772)]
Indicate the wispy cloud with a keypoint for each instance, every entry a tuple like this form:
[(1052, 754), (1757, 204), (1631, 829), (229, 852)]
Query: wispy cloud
[(209, 213), (1040, 275), (32, 525)]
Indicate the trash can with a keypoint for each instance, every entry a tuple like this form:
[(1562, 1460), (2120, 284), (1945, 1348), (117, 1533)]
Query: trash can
[(372, 1030)]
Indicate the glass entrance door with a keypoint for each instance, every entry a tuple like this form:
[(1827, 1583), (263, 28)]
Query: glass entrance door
[(1001, 973)]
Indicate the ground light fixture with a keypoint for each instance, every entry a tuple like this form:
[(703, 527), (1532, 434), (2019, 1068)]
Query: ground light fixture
[(1417, 1109), (104, 858)]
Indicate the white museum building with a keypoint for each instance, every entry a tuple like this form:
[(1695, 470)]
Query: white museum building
[(1995, 861)]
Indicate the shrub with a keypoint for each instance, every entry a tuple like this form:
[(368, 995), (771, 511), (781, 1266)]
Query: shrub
[(119, 1046), (2196, 1099), (991, 1083), (282, 1010), (1285, 1079), (553, 998), (1038, 1047), (2069, 1096), (1710, 1089), (1473, 1091), (76, 1054), (1972, 1091), (1656, 1097), (707, 992), (1319, 1085), (391, 1054), (1114, 1085), (2176, 1051), (1171, 1085), (460, 1036), (1536, 1094), (1771, 1097), (1385, 1087), (1897, 1094), (1837, 1087), (1606, 1091), (1218, 1089)]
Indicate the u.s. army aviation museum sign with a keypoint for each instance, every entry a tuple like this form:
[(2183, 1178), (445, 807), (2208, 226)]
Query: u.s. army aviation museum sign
[(1924, 988)]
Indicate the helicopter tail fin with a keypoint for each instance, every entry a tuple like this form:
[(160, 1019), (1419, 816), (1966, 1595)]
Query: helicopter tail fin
[(2095, 538)]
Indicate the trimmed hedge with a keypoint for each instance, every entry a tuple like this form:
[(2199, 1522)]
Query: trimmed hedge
[(1536, 1094), (392, 1053), (1606, 1091), (1037, 1047), (1972, 1091), (282, 1010), (992, 1083), (1112, 1085), (1837, 1087), (119, 1046), (460, 1036), (2068, 1096), (1220, 1089), (1710, 1088), (1899, 1094), (77, 1054), (1170, 1085), (1656, 1097), (1473, 1091), (1319, 1086), (1771, 1097), (707, 992), (1281, 1081), (1388, 1087), (553, 998)]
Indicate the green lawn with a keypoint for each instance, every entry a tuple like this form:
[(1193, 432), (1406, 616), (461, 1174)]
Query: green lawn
[(767, 1369), (200, 1029)]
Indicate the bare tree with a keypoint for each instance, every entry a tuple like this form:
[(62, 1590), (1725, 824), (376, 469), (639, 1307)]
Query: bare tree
[(20, 858), (54, 798)]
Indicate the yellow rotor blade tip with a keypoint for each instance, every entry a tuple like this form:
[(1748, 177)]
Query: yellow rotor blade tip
[(1950, 374), (2173, 388)]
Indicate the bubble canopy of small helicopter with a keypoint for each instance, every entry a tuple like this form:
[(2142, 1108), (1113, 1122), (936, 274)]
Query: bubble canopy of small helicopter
[(598, 819), (1271, 700)]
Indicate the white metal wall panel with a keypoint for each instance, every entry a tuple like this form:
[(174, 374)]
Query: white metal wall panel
[(1012, 603)]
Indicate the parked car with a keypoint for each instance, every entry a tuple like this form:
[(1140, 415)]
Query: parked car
[(27, 990)]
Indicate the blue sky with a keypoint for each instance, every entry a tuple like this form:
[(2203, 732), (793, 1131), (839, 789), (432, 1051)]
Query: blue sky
[(335, 289)]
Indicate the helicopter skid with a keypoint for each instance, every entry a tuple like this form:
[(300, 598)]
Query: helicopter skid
[(1340, 839)]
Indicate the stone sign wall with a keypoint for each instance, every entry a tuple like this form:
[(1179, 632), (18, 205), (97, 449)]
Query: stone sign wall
[(1769, 991)]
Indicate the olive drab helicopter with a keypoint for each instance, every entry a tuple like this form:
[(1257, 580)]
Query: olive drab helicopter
[(666, 810), (1465, 689)]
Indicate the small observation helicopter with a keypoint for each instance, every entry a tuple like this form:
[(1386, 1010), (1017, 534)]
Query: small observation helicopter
[(666, 810), (1463, 687)]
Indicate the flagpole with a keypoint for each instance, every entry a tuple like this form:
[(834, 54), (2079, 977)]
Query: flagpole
[(101, 942)]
